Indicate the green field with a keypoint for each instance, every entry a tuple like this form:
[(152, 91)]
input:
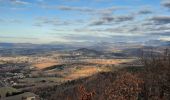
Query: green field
[(35, 80), (4, 90)]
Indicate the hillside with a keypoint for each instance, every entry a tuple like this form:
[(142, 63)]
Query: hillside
[(149, 82), (86, 52), (70, 89)]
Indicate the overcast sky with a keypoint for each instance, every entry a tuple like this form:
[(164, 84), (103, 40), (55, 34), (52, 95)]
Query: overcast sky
[(71, 21)]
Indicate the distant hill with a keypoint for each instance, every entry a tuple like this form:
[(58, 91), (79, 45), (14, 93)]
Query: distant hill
[(17, 45), (98, 49), (6, 45), (30, 45), (10, 49), (86, 52), (157, 43)]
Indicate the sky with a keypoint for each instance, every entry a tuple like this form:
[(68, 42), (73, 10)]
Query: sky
[(84, 21)]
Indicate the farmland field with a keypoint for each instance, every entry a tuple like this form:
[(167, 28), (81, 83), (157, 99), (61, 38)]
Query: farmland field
[(44, 65)]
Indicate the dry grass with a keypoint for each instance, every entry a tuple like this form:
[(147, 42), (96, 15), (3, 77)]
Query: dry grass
[(83, 72), (44, 65), (109, 61)]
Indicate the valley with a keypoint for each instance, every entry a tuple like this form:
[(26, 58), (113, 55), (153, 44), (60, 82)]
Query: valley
[(25, 73)]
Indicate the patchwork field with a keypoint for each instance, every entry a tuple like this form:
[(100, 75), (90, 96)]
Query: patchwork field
[(83, 72), (72, 71), (44, 65), (54, 70), (109, 61)]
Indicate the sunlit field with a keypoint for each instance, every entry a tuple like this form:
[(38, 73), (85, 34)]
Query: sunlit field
[(44, 65), (109, 61)]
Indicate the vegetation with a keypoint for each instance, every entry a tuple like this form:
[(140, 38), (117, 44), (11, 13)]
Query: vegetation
[(126, 87), (150, 82), (4, 91), (156, 77)]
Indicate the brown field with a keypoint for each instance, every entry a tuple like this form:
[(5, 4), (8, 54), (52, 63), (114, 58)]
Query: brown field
[(109, 61), (44, 65), (83, 72), (71, 72)]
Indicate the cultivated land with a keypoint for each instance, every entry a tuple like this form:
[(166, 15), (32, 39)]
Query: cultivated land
[(55, 67), (44, 65)]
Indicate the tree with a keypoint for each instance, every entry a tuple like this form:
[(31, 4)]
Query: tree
[(84, 95), (125, 87)]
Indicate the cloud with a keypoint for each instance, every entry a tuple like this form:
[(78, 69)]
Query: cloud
[(84, 37), (154, 26), (19, 2), (15, 4), (84, 9), (68, 8), (124, 18), (15, 21), (161, 19), (10, 21), (167, 33), (166, 3), (2, 20), (41, 21), (92, 38), (145, 11), (105, 20), (13, 37)]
